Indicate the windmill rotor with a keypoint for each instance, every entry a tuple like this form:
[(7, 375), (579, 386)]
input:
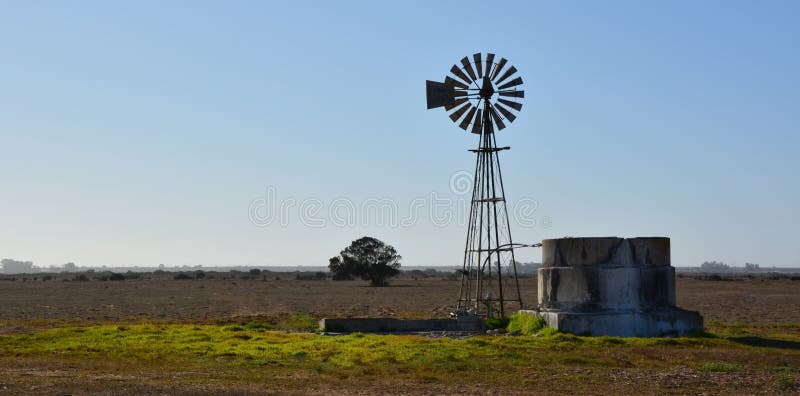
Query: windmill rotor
[(487, 86)]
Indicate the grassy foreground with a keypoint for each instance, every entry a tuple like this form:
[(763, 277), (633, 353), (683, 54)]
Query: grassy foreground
[(178, 358)]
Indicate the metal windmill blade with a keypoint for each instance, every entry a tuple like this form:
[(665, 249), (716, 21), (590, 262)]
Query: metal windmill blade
[(512, 83), (506, 113), (514, 105), (468, 119), (458, 113), (515, 94), (455, 83), (468, 68), (489, 63), (477, 125), (455, 103), (458, 73), (497, 119), (478, 68), (499, 67), (511, 70)]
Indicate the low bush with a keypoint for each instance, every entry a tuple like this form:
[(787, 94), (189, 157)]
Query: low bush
[(497, 323), (342, 277), (526, 324), (116, 277)]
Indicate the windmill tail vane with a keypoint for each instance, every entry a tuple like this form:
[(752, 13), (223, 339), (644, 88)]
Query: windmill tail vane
[(480, 95)]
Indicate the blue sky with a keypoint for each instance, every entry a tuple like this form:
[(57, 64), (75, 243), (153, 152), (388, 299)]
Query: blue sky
[(146, 132)]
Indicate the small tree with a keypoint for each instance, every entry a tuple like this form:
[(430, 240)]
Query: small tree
[(368, 258)]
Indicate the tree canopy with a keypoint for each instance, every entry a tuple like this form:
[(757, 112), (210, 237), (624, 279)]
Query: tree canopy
[(368, 258)]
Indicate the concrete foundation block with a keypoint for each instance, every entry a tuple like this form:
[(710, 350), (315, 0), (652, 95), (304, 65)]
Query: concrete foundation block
[(655, 323)]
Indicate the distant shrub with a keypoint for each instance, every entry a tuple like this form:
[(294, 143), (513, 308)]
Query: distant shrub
[(199, 274), (116, 277), (307, 276), (182, 276), (81, 278), (132, 275), (342, 277), (47, 278), (714, 266), (255, 272)]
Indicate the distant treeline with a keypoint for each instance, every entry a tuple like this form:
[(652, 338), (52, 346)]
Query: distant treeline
[(94, 275), (251, 274), (718, 267)]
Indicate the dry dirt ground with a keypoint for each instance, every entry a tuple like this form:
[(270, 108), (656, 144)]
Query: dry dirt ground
[(166, 300), (759, 305)]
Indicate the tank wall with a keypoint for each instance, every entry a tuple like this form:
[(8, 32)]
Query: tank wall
[(585, 274), (587, 289), (606, 251)]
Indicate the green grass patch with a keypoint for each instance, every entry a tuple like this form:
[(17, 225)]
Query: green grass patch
[(364, 356), (785, 381), (298, 322), (526, 324)]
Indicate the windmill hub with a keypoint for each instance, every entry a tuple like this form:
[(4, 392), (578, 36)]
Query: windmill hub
[(487, 90)]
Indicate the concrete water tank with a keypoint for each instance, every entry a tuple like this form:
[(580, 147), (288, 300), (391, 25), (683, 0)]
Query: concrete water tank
[(611, 286)]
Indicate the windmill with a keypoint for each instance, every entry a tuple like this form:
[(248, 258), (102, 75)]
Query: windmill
[(481, 96)]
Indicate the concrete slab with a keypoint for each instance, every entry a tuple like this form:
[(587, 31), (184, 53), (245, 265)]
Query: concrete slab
[(392, 325), (656, 323)]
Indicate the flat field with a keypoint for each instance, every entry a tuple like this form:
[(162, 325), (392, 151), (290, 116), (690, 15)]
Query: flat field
[(165, 336)]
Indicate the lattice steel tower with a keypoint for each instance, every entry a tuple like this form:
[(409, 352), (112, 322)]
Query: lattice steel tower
[(484, 94)]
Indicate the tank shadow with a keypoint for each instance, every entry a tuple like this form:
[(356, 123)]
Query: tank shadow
[(766, 342)]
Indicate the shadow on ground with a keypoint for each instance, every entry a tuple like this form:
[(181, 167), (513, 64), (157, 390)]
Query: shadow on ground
[(766, 342)]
